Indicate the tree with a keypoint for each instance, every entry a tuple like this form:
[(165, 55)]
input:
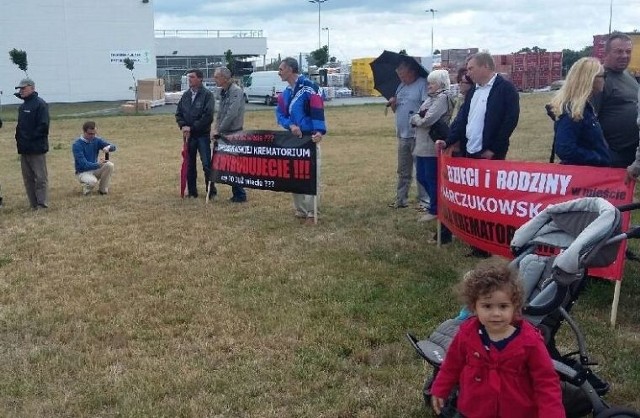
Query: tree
[(130, 65), (19, 58), (569, 57), (403, 52), (228, 57), (535, 49), (319, 57), (437, 52)]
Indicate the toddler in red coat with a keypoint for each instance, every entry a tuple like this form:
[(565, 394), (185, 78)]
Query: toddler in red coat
[(499, 360)]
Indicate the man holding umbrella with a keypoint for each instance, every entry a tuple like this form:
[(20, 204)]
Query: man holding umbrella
[(408, 97)]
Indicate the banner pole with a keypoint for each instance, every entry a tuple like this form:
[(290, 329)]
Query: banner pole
[(438, 233), (614, 305), (315, 209)]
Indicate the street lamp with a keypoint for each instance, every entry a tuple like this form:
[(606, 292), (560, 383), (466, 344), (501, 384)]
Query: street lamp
[(327, 29), (319, 2), (433, 20)]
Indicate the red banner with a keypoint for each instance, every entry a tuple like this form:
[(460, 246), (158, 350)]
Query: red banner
[(483, 202)]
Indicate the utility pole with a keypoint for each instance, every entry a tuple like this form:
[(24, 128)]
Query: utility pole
[(319, 2), (433, 22)]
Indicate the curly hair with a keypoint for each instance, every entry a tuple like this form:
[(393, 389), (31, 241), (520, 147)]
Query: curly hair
[(488, 276)]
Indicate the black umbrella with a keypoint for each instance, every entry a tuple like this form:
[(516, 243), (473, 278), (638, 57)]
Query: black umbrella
[(385, 79)]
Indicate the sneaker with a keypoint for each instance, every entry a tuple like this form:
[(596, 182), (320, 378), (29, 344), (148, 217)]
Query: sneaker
[(86, 189), (427, 217), (300, 215), (398, 205), (102, 193), (422, 208)]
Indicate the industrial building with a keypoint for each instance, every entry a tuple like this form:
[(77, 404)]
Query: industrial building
[(75, 48)]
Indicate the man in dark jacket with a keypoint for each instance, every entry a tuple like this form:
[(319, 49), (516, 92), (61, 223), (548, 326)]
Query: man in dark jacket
[(487, 118), (489, 114), (194, 116), (32, 139)]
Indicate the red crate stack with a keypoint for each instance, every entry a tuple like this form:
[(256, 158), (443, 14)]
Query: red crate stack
[(599, 42)]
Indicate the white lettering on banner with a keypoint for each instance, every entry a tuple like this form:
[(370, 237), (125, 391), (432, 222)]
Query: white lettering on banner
[(270, 151), (533, 182), (463, 175), (235, 149), (518, 208)]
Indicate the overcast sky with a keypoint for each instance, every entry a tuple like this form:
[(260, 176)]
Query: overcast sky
[(363, 28)]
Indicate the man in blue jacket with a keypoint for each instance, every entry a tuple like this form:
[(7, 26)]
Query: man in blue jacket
[(300, 110), (32, 140), (89, 170), (489, 114)]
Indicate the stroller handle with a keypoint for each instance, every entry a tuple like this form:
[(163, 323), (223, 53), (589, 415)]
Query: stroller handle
[(553, 304), (628, 207)]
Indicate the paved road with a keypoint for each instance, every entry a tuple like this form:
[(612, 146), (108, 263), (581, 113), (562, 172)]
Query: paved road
[(345, 101)]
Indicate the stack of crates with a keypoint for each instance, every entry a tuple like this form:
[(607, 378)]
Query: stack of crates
[(362, 77)]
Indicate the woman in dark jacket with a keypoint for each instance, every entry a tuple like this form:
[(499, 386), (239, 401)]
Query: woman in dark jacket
[(578, 136)]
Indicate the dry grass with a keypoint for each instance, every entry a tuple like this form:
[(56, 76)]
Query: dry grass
[(143, 304)]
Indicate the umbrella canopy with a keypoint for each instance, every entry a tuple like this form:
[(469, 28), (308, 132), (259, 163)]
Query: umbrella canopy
[(385, 79), (184, 168)]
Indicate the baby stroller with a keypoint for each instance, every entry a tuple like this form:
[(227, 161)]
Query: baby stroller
[(552, 253)]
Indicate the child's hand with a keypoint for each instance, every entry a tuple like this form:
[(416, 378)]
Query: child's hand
[(437, 404)]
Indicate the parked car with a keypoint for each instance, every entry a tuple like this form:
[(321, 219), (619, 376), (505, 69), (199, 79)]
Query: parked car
[(264, 86)]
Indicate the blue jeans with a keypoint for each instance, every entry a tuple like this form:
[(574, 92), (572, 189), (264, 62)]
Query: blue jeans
[(200, 145), (427, 175)]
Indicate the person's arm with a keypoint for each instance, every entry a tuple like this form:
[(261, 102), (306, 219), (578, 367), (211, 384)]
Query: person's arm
[(509, 121), (449, 374), (438, 108), (82, 164), (236, 97), (282, 116), (204, 121), (42, 120), (316, 110), (458, 129), (568, 149), (105, 146), (180, 111), (545, 382)]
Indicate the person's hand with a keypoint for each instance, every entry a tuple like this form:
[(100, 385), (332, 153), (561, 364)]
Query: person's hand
[(101, 162), (295, 129), (316, 137), (214, 133), (440, 145), (437, 404), (487, 154), (186, 132), (392, 103)]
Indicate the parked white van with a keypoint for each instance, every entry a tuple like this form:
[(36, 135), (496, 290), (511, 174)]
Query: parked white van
[(264, 86)]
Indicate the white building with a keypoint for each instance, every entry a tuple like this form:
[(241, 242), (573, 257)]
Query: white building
[(75, 48)]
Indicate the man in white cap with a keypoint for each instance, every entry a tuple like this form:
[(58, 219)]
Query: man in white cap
[(32, 140)]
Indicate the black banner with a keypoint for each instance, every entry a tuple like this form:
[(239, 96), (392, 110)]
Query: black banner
[(268, 160)]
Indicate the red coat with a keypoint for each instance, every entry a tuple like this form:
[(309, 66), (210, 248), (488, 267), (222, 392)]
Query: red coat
[(517, 382)]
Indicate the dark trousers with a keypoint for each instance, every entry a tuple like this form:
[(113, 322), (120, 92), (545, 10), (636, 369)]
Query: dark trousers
[(199, 145), (35, 177)]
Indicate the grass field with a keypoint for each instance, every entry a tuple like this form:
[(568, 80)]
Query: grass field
[(140, 304)]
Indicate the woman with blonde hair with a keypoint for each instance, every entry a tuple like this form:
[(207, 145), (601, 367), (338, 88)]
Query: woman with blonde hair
[(578, 136)]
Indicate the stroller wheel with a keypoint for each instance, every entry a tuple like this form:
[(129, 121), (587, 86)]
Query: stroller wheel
[(618, 412)]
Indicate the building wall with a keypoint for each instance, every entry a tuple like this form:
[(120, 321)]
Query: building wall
[(70, 47), (210, 46)]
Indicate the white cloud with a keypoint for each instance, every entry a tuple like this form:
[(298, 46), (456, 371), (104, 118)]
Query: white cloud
[(361, 28)]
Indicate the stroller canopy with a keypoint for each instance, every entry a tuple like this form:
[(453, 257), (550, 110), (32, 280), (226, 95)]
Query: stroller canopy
[(579, 227)]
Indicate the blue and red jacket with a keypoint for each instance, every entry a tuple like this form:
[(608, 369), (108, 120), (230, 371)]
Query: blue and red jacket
[(302, 106)]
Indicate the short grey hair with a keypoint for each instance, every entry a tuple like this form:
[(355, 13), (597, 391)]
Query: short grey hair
[(292, 63), (483, 59), (440, 77), (223, 71)]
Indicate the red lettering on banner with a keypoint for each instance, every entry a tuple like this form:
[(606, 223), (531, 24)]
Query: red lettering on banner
[(254, 166), (485, 201)]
